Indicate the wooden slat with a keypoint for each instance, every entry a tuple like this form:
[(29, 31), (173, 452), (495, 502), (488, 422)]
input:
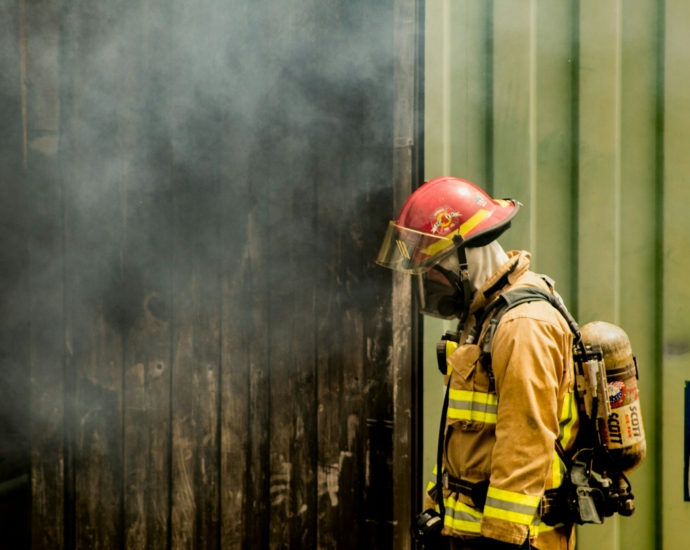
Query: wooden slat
[(38, 40), (236, 332), (146, 259), (16, 412), (259, 267), (95, 315), (283, 153), (329, 379), (15, 417), (236, 335), (196, 362), (183, 519), (404, 21)]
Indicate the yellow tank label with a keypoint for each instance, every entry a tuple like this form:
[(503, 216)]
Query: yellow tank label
[(624, 426)]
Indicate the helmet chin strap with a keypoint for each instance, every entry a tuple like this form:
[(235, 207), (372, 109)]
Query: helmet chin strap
[(466, 288)]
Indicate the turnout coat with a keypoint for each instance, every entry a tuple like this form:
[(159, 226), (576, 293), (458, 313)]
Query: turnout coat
[(503, 431)]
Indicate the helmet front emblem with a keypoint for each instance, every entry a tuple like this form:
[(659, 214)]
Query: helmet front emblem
[(444, 220)]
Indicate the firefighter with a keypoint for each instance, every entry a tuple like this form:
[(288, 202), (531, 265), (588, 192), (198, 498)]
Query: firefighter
[(509, 401)]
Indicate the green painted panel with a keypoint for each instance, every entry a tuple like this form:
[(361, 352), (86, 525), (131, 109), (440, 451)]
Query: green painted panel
[(572, 122), (514, 114), (552, 241), (676, 291), (435, 121), (599, 160), (638, 239), (599, 188), (467, 108)]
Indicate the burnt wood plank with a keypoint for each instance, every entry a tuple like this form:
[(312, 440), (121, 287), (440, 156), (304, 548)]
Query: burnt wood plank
[(401, 318), (96, 311), (15, 424), (236, 336), (145, 157), (147, 429), (194, 130), (196, 317), (183, 523), (291, 230), (38, 41), (236, 331), (303, 264), (16, 412), (257, 283)]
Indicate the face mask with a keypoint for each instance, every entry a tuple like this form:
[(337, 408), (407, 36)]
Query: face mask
[(439, 291)]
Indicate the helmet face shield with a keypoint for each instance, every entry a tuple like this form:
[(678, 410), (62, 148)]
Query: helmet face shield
[(412, 251)]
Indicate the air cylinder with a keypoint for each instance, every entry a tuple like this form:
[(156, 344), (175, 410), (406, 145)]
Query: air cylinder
[(623, 432)]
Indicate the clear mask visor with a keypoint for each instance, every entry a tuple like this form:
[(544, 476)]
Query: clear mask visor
[(412, 251)]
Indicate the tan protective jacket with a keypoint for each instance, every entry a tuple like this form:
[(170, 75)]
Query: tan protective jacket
[(507, 434)]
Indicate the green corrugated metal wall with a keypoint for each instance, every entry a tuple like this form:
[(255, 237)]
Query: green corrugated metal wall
[(581, 110)]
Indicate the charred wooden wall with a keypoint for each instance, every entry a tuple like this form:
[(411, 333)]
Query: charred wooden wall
[(200, 349)]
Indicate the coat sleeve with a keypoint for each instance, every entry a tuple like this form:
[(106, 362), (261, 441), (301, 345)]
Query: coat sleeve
[(528, 361)]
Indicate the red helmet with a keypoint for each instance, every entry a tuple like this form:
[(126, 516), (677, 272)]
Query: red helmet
[(442, 215)]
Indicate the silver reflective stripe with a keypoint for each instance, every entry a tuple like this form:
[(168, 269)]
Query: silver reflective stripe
[(462, 516), (511, 506), (473, 406)]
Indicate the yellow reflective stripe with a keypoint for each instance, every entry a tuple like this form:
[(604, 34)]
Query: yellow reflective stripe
[(475, 396), (507, 515), (450, 349), (476, 416), (473, 222), (440, 245), (402, 248), (461, 517), (432, 484), (536, 530), (470, 405), (510, 506), (566, 424), (515, 498), (444, 242), (557, 471), (568, 419)]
